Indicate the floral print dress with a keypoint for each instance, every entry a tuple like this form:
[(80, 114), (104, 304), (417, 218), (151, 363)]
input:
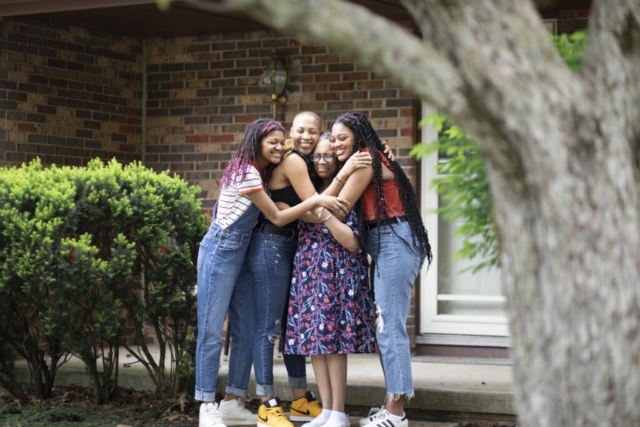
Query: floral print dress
[(330, 307)]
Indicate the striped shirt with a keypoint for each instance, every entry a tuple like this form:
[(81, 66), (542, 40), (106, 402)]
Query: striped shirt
[(233, 201)]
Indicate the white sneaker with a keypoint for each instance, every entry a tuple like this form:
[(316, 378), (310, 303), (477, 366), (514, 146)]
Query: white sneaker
[(232, 412), (373, 414), (341, 420), (209, 416), (386, 419), (319, 420)]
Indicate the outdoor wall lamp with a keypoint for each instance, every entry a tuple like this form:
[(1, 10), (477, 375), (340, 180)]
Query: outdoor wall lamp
[(275, 80)]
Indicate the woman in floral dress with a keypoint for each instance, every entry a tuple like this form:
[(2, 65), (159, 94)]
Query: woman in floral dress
[(330, 309)]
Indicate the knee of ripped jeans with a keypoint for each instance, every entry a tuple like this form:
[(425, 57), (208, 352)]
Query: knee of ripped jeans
[(275, 332), (379, 319)]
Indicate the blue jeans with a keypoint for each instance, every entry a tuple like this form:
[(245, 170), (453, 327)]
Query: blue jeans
[(241, 328), (397, 263), (270, 260), (221, 289)]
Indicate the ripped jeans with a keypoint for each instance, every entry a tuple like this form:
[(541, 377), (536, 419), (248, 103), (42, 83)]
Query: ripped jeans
[(394, 271), (270, 260)]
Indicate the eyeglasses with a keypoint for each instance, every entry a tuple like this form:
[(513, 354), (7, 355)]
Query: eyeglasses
[(328, 157)]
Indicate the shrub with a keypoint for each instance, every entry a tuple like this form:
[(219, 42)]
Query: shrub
[(84, 253)]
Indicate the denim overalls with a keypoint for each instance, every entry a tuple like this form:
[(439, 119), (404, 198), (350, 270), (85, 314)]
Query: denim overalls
[(221, 289)]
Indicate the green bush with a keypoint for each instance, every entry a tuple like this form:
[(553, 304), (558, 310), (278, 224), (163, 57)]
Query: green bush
[(462, 180), (86, 252)]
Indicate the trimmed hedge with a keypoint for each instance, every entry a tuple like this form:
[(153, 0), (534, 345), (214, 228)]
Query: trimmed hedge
[(87, 254)]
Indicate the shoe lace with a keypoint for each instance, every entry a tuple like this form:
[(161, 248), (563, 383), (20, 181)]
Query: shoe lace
[(380, 416), (276, 412), (242, 408), (374, 412), (212, 412), (314, 404)]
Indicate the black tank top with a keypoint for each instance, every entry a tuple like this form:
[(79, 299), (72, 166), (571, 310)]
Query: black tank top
[(286, 195)]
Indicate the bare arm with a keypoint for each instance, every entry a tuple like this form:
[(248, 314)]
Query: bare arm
[(357, 161), (356, 184), (295, 169), (282, 218), (342, 233)]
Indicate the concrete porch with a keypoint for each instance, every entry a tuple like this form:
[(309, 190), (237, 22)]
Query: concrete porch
[(449, 392)]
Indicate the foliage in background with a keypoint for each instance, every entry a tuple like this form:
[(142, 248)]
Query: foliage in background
[(86, 252), (33, 216), (462, 179)]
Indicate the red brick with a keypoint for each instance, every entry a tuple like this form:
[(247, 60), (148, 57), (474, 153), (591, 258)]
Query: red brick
[(245, 118), (328, 58), (376, 84), (221, 138), (196, 138), (332, 77), (92, 69), (328, 96), (341, 86), (27, 127)]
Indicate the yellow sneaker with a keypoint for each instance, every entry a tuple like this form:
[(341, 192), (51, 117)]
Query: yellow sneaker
[(306, 408), (270, 414)]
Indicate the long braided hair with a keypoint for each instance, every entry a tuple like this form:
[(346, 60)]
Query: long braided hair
[(247, 153), (366, 137)]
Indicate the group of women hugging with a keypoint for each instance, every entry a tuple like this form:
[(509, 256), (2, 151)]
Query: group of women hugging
[(286, 257)]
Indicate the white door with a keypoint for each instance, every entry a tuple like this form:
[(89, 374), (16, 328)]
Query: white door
[(453, 300)]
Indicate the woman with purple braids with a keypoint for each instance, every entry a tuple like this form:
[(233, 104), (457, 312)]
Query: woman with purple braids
[(222, 253)]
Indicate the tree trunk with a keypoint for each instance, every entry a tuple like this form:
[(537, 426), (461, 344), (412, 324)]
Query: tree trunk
[(561, 151)]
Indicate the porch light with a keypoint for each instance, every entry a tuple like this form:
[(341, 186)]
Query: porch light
[(275, 80)]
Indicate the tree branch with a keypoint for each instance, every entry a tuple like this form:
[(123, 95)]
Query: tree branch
[(513, 73), (611, 62), (358, 34)]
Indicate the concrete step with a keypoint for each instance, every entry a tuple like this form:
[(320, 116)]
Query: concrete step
[(459, 392), (478, 393)]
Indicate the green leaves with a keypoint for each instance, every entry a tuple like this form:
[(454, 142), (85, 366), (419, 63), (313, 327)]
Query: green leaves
[(462, 182), (83, 251), (163, 5), (571, 48)]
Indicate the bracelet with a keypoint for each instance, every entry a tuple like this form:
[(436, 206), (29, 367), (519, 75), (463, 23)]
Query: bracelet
[(327, 218), (337, 178)]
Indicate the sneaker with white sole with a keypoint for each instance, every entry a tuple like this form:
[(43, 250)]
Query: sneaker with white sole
[(270, 414), (234, 413), (373, 414), (209, 416), (337, 420), (306, 408), (385, 418)]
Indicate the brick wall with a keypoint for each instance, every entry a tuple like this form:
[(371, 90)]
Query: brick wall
[(572, 20), (204, 90), (68, 94)]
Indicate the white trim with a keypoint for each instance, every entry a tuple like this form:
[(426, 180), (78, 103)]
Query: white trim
[(477, 298), (429, 203), (551, 25), (463, 340), (431, 322)]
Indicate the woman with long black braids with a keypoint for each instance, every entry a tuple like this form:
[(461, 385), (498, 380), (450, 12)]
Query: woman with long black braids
[(395, 237)]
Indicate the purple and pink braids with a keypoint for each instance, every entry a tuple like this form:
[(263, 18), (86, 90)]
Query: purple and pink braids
[(247, 152)]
